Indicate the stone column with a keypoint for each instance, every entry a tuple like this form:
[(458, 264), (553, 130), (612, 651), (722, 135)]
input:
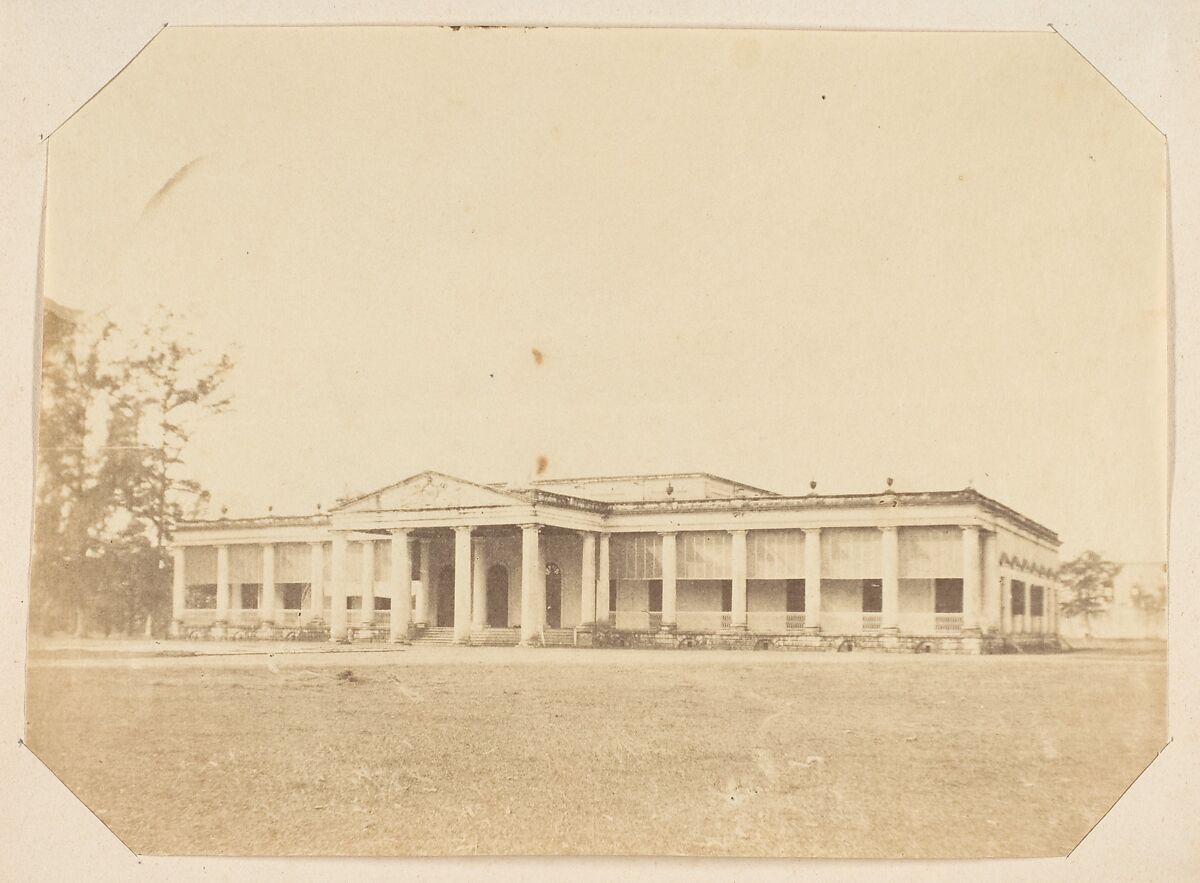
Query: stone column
[(603, 587), (337, 595), (587, 580), (533, 612), (235, 602), (812, 577), (479, 586), (972, 581), (422, 611), (1052, 609), (401, 587), (992, 616), (316, 579), (1005, 605), (737, 563), (366, 578), (266, 609), (178, 589), (222, 585), (1027, 619), (669, 572), (890, 615), (462, 584)]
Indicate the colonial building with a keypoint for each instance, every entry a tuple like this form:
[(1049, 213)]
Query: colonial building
[(663, 560)]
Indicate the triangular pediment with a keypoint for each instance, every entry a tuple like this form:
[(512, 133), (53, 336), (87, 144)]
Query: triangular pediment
[(431, 490)]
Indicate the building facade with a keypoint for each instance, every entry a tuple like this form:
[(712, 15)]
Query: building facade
[(655, 560)]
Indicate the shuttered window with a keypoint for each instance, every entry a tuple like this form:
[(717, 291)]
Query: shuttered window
[(930, 552), (636, 556), (705, 554), (851, 553), (775, 554)]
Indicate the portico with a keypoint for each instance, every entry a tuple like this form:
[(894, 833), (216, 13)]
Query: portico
[(679, 555)]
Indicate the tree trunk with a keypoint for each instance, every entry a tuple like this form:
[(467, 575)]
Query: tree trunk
[(149, 625), (80, 623)]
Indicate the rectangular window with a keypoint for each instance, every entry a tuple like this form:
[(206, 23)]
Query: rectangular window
[(414, 563), (948, 596), (795, 596), (250, 596), (292, 595), (872, 596), (1018, 598), (612, 596), (726, 596), (354, 602), (1035, 601), (655, 586), (383, 603)]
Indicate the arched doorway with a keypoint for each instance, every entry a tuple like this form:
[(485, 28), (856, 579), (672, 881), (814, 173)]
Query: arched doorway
[(497, 596), (553, 597), (445, 596)]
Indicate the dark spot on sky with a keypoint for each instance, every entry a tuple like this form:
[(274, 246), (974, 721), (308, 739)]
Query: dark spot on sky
[(538, 358), (162, 191), (542, 462), (822, 97)]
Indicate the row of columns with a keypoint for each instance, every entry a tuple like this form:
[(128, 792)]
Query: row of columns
[(470, 590), (401, 576), (890, 615)]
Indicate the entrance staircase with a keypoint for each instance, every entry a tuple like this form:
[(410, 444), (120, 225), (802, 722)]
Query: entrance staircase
[(496, 637), (434, 635), (493, 637)]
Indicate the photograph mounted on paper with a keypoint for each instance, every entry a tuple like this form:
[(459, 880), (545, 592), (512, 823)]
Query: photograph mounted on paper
[(601, 442)]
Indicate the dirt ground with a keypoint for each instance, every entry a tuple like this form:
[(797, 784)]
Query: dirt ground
[(434, 751)]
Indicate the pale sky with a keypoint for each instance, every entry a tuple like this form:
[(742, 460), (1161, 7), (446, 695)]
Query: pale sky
[(776, 256)]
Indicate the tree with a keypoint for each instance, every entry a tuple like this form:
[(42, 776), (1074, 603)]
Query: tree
[(1088, 581), (112, 471), (168, 387), (67, 508)]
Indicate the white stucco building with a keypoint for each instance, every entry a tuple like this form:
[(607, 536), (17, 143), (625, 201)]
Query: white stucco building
[(662, 560)]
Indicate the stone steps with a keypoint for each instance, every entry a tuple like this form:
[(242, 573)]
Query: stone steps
[(496, 638), (434, 635)]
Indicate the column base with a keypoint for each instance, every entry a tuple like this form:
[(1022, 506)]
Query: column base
[(668, 627)]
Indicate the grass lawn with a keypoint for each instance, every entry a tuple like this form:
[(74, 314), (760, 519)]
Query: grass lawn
[(590, 752)]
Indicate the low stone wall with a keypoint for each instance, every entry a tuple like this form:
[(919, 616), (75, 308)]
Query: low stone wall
[(811, 641), (970, 645)]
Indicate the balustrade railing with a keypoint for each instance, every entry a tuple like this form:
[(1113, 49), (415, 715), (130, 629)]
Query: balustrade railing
[(872, 622), (947, 622)]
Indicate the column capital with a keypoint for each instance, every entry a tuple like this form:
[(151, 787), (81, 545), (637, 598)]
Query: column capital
[(970, 527), (400, 531), (812, 531), (666, 533), (531, 526), (888, 528), (464, 528), (269, 545)]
